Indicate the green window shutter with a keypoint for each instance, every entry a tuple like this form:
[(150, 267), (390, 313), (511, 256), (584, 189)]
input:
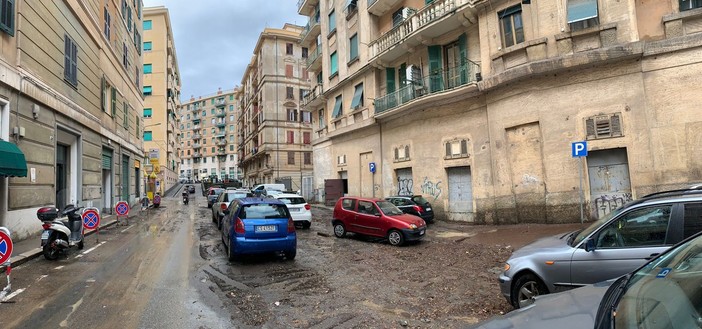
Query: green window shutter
[(106, 159), (114, 102), (580, 10), (463, 53), (426, 2), (147, 136), (148, 68), (212, 101), (147, 45), (357, 97), (390, 79), (147, 112), (7, 17), (103, 94), (435, 79), (147, 25), (337, 107), (353, 47), (332, 22), (333, 64), (402, 74), (125, 122)]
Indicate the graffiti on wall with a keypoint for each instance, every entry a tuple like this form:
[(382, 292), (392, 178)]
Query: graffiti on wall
[(431, 188), (606, 203), (404, 186)]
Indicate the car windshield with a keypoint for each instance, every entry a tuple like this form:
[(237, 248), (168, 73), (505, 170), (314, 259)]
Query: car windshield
[(216, 191), (388, 208), (232, 196), (263, 211), (586, 232), (666, 292), (293, 200), (420, 200)]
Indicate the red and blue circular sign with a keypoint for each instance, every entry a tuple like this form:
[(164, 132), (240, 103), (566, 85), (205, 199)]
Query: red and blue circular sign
[(122, 208), (91, 219), (157, 199), (5, 247)]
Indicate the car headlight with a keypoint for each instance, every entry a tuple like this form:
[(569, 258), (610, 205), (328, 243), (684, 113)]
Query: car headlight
[(506, 267), (412, 226)]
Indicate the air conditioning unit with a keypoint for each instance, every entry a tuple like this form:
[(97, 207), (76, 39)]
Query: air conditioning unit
[(413, 73), (401, 15)]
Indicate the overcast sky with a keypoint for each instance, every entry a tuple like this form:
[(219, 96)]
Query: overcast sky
[(214, 39)]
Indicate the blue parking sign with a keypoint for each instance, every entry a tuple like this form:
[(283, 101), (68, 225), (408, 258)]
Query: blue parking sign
[(579, 149), (371, 167)]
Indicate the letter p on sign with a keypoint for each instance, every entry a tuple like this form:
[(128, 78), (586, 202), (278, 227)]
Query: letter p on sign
[(579, 149)]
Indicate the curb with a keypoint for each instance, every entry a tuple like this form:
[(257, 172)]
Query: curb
[(36, 252)]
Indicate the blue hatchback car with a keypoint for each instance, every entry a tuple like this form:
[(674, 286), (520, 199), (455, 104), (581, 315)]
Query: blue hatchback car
[(258, 225)]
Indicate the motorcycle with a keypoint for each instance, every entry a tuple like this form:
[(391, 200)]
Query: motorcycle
[(185, 197), (61, 234)]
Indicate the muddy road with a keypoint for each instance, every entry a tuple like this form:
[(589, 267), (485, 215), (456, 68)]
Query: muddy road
[(447, 280)]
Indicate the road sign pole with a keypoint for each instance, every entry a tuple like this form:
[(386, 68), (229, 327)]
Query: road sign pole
[(580, 170)]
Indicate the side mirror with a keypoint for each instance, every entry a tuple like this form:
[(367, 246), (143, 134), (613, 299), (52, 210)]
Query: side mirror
[(590, 245)]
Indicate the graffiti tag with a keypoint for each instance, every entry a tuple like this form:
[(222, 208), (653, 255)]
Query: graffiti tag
[(431, 188), (605, 204), (404, 186)]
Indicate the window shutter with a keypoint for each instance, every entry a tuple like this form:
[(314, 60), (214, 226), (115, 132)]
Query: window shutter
[(435, 79), (103, 94), (590, 128), (402, 75), (463, 60), (448, 149), (407, 154), (7, 21), (397, 153), (464, 147), (67, 57), (288, 71), (106, 160), (74, 62), (114, 102), (616, 125), (390, 77)]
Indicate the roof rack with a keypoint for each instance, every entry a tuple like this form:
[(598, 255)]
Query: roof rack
[(692, 189)]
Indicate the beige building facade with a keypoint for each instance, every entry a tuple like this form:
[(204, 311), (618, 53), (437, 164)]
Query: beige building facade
[(208, 138), (275, 134), (70, 96), (475, 104), (161, 91)]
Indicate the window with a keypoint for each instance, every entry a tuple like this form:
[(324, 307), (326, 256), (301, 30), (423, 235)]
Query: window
[(104, 98), (332, 22), (147, 90), (582, 14), (125, 122), (604, 126), (292, 115), (70, 70), (290, 137), (322, 119), (400, 16), (124, 8), (113, 106), (357, 101), (147, 46), (511, 26), (125, 55), (148, 68), (288, 48), (690, 4), (692, 219), (306, 116), (137, 75), (308, 158), (304, 52), (147, 113), (337, 107), (129, 19), (306, 137), (638, 228), (108, 23), (288, 71), (231, 118), (353, 47), (291, 158), (137, 39), (333, 65), (231, 108), (147, 136), (348, 204), (147, 25), (289, 93), (231, 97)]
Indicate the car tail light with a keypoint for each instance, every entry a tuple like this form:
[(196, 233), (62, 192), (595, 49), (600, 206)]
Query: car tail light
[(223, 206), (291, 225), (239, 226), (307, 206), (46, 226), (418, 209)]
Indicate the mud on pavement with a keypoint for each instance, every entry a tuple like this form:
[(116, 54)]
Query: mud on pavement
[(447, 280)]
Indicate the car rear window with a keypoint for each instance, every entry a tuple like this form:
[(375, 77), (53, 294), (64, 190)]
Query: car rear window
[(293, 200), (232, 196), (263, 211), (420, 200), (216, 191)]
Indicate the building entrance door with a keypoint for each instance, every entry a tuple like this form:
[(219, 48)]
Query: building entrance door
[(610, 185)]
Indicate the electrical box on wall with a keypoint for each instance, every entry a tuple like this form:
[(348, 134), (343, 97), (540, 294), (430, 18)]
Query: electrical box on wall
[(18, 131)]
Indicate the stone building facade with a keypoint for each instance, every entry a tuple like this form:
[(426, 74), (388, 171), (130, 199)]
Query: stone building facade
[(475, 104)]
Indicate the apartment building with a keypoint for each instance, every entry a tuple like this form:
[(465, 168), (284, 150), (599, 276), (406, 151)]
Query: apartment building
[(475, 104), (70, 96), (161, 90), (275, 134), (208, 138)]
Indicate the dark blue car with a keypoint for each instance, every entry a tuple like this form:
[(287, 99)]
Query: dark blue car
[(258, 225)]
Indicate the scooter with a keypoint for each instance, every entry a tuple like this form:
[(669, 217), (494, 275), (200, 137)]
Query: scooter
[(185, 197), (60, 234)]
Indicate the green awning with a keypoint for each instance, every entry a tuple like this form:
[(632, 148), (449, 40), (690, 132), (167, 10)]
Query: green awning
[(12, 161)]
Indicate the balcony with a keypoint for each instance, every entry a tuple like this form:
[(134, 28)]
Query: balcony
[(220, 102), (196, 145), (314, 60), (306, 7), (312, 98), (196, 127), (439, 82), (221, 151), (221, 124), (197, 155), (221, 114), (434, 20), (197, 136), (311, 31), (221, 142), (380, 7)]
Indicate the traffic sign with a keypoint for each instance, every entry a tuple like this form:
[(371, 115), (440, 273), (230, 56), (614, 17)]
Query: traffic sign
[(91, 218), (371, 166), (157, 199), (122, 208), (5, 245), (579, 149)]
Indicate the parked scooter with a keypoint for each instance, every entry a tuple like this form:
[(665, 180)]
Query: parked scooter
[(60, 234), (186, 197)]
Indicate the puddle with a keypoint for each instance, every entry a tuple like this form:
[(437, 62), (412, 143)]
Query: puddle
[(454, 234)]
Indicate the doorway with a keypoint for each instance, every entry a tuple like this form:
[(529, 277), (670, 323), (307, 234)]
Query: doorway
[(125, 178), (62, 173), (460, 188), (106, 180), (405, 183), (610, 185)]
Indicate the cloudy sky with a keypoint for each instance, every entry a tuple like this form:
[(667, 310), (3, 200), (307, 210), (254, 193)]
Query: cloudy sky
[(215, 38)]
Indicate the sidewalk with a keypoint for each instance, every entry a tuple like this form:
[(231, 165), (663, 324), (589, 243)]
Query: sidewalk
[(29, 248)]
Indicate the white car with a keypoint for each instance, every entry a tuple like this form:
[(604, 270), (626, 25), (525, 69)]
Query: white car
[(298, 207)]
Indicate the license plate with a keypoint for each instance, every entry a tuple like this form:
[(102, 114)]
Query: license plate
[(267, 228), (45, 235), (428, 208), (421, 232), (294, 209)]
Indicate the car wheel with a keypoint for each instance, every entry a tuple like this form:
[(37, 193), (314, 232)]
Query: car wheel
[(209, 205), (525, 288), (396, 238), (230, 252), (306, 224), (339, 230), (290, 254)]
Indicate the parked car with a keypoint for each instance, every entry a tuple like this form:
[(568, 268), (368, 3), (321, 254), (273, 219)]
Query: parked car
[(664, 293), (610, 247), (212, 195), (258, 225), (258, 190), (376, 217), (271, 193), (299, 209), (413, 204), (222, 203), (191, 189)]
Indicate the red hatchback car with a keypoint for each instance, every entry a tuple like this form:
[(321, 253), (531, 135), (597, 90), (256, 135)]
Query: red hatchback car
[(376, 217)]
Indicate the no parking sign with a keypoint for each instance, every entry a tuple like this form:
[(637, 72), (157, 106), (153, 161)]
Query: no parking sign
[(5, 245), (122, 208), (91, 218)]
